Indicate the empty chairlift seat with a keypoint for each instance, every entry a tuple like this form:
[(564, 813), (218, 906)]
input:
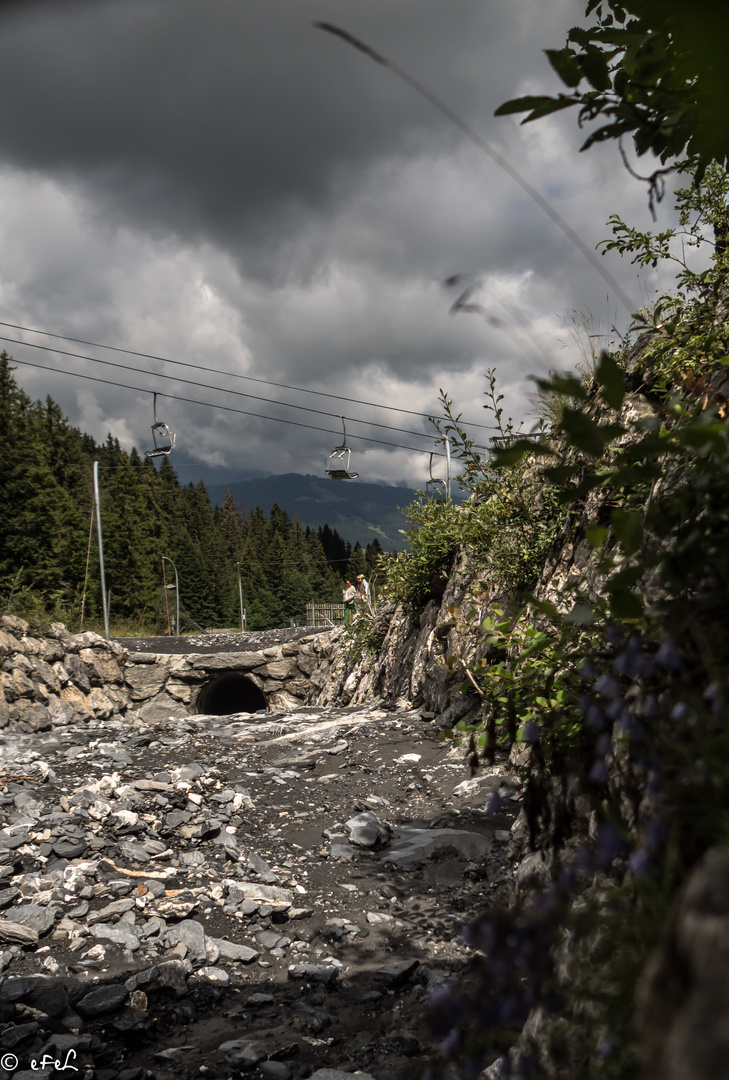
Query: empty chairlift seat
[(163, 438), (338, 463), (435, 487)]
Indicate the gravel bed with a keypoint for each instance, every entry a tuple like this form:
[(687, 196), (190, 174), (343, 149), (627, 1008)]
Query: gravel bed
[(217, 641), (260, 895)]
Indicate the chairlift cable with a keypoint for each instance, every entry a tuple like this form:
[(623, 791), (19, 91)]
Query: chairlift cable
[(224, 408), (499, 159), (219, 389), (217, 371)]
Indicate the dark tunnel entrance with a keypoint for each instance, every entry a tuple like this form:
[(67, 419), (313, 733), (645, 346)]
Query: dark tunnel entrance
[(228, 694)]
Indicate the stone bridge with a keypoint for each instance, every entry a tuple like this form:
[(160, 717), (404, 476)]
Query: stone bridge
[(160, 686), (56, 678)]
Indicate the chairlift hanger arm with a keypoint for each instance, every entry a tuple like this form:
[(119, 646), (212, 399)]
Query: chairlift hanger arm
[(338, 463), (163, 438)]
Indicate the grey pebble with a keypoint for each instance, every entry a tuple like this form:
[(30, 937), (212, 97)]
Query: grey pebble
[(231, 950), (317, 973), (104, 1000), (243, 1053), (134, 852), (275, 1070), (117, 936), (189, 933), (214, 974), (33, 917)]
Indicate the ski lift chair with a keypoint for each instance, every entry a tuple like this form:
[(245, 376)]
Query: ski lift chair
[(435, 487), (338, 462), (163, 438)]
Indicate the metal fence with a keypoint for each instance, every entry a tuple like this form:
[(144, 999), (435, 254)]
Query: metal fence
[(324, 614)]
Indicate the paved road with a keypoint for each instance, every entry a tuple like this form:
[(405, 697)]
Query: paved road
[(214, 643)]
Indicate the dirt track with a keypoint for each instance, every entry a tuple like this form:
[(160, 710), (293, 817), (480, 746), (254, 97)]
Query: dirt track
[(212, 642)]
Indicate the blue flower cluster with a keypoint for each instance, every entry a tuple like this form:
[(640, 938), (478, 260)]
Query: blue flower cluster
[(639, 701)]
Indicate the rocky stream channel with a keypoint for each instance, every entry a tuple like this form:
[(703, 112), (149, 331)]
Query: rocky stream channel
[(271, 894)]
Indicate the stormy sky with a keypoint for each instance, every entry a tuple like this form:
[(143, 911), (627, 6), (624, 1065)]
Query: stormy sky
[(220, 184)]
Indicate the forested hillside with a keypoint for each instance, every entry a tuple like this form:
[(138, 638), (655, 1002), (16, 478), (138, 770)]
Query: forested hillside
[(49, 563), (359, 511)]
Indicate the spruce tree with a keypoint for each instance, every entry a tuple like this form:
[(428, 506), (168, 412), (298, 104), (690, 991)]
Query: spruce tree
[(46, 499), (357, 563)]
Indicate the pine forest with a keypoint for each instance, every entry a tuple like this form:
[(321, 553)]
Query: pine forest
[(49, 559)]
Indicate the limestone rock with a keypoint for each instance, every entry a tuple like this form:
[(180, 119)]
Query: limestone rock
[(77, 701), (17, 934), (410, 845), (78, 671), (229, 662), (14, 625), (161, 708), (26, 716), (683, 997), (100, 704), (145, 680), (8, 644), (102, 666), (279, 669)]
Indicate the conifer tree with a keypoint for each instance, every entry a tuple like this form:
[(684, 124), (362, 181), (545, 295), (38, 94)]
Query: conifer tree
[(231, 529), (335, 549), (46, 498), (373, 553), (357, 563)]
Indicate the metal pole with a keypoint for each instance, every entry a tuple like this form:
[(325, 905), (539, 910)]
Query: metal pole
[(167, 603), (177, 591), (448, 468), (101, 550), (240, 597)]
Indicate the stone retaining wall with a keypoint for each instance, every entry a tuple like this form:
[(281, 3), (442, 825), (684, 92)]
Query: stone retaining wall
[(413, 666), (61, 678)]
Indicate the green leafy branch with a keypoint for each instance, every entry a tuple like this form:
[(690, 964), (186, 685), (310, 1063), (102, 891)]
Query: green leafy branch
[(649, 71)]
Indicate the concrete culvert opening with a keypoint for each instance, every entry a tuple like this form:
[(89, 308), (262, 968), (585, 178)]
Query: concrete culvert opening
[(228, 694)]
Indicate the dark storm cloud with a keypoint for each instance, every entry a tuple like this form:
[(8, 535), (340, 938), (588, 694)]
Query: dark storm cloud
[(218, 182), (234, 119)]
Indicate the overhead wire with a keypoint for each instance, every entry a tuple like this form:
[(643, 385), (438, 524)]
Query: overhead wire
[(207, 386), (470, 133), (487, 149), (224, 408), (217, 371)]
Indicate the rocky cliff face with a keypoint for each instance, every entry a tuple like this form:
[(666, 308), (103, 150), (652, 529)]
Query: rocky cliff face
[(680, 1005), (411, 667)]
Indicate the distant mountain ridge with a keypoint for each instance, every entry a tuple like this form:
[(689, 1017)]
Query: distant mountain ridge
[(359, 511)]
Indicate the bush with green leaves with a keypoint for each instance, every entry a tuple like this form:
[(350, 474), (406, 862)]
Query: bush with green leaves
[(651, 70), (508, 524), (528, 682), (638, 647), (684, 331), (625, 694), (638, 458)]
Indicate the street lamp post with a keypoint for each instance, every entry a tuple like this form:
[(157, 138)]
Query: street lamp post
[(448, 468), (97, 501), (240, 597), (177, 590)]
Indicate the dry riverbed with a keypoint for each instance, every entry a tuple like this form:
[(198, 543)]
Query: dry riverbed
[(249, 895)]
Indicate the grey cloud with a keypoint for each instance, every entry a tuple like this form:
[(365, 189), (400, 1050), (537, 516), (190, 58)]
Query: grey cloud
[(234, 119), (216, 181)]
